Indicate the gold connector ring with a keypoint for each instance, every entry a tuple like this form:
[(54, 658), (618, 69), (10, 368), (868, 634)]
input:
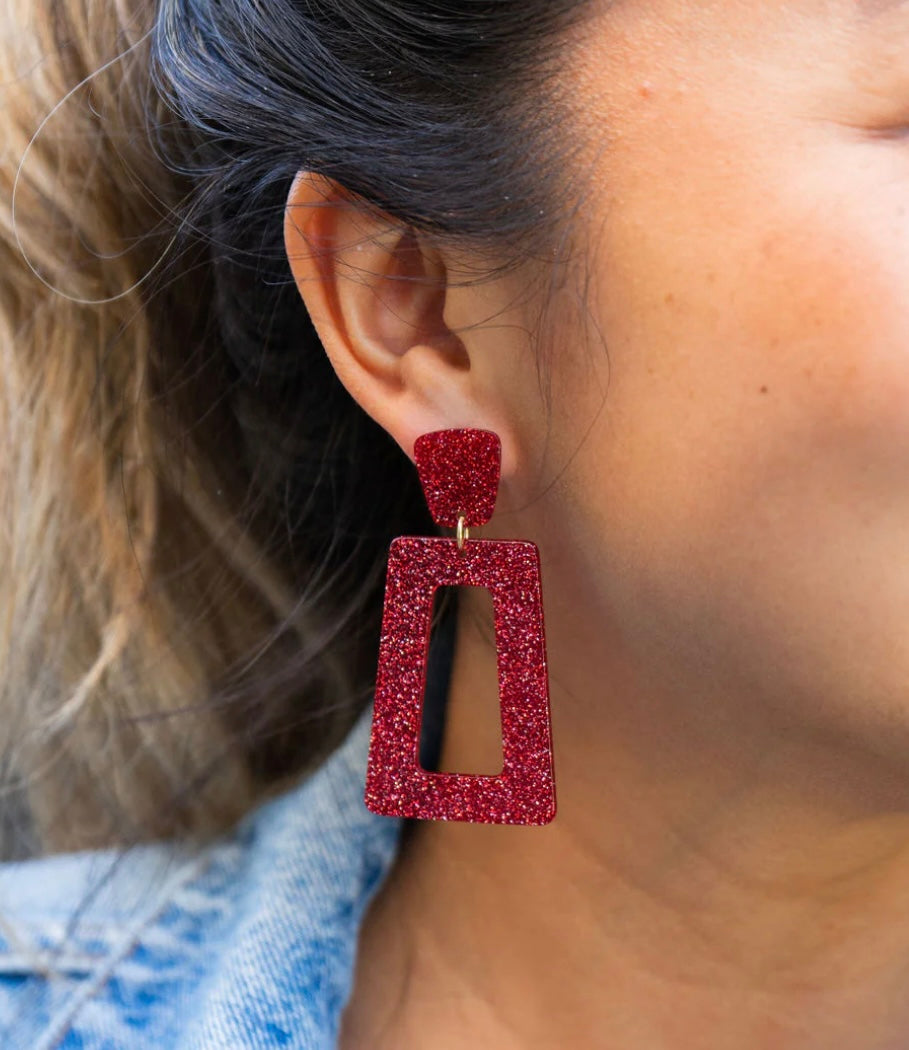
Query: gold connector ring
[(463, 532)]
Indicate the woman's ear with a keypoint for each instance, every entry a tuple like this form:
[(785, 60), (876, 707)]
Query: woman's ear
[(377, 298)]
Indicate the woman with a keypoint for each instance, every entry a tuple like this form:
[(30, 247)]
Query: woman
[(661, 249)]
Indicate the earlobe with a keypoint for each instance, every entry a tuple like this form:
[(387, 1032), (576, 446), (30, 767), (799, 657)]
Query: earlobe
[(376, 299)]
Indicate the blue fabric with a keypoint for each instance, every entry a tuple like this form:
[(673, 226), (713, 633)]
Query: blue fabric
[(250, 943)]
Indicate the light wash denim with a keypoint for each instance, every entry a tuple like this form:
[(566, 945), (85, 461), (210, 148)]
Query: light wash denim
[(250, 944)]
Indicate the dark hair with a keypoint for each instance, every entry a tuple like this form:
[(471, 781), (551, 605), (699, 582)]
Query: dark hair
[(443, 114)]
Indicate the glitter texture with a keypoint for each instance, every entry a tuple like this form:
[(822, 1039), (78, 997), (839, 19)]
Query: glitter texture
[(396, 784), (459, 471)]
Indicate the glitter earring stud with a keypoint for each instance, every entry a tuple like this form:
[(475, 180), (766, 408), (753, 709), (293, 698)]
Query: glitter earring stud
[(459, 471)]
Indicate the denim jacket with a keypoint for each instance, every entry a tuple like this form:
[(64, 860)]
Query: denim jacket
[(249, 943)]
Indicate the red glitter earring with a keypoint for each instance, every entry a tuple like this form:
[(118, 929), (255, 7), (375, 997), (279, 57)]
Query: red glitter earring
[(459, 471)]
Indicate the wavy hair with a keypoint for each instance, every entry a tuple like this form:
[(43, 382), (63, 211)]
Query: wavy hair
[(194, 514)]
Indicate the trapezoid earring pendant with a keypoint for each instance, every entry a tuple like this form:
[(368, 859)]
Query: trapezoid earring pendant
[(459, 471)]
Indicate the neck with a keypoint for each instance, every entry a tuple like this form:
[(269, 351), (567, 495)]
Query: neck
[(704, 872)]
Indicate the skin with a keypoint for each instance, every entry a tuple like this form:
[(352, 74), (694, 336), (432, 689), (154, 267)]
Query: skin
[(721, 501)]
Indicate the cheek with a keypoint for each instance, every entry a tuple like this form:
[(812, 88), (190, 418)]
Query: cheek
[(746, 483), (738, 357)]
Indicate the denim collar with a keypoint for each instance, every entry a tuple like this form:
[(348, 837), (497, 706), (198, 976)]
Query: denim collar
[(250, 941)]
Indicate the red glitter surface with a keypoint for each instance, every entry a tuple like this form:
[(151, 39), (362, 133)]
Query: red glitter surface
[(396, 784), (459, 471)]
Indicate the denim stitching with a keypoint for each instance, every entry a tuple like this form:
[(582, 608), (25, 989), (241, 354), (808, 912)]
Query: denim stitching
[(58, 1025)]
